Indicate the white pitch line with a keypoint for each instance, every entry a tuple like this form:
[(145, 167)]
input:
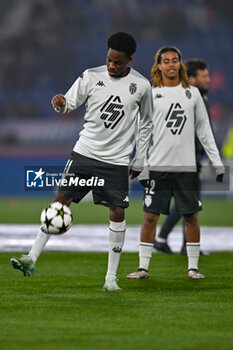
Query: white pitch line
[(16, 237)]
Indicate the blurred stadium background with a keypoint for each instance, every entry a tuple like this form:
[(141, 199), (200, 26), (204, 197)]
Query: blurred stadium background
[(46, 45)]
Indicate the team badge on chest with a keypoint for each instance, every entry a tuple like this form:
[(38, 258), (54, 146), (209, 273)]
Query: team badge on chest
[(188, 94), (132, 88)]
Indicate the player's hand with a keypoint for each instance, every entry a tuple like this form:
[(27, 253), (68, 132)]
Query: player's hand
[(133, 173), (145, 183), (219, 177), (59, 101)]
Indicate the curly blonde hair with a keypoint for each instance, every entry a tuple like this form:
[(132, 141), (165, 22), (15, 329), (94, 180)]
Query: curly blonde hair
[(156, 74)]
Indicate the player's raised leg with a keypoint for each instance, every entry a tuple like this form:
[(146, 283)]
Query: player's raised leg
[(26, 263), (116, 240)]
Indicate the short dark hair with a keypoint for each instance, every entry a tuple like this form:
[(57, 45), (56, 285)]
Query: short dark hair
[(168, 49), (193, 65), (123, 42)]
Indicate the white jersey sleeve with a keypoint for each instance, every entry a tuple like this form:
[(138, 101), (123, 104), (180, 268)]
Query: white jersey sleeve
[(144, 132), (77, 94), (205, 135)]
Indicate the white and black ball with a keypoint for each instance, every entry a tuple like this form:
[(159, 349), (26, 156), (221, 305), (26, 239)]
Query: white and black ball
[(56, 218)]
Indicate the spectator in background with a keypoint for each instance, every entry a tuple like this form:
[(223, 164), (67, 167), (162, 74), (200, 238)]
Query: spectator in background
[(198, 75)]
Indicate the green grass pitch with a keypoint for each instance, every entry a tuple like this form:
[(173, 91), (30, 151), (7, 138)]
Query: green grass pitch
[(216, 212), (62, 306)]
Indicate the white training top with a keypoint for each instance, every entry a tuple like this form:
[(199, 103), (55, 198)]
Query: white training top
[(118, 110), (178, 113)]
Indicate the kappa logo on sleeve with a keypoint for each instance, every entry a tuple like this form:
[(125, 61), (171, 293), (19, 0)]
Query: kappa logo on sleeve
[(175, 119)]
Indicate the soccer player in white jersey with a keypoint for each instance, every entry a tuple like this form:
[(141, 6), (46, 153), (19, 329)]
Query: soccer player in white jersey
[(198, 75), (179, 112), (118, 114)]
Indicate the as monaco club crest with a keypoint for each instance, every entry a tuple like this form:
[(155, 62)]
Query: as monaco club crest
[(132, 88), (148, 200), (188, 93)]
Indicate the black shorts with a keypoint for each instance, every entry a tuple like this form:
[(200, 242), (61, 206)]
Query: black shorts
[(184, 187), (109, 183)]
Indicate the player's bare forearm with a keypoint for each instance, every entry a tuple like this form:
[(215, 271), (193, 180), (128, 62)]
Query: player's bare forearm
[(58, 101)]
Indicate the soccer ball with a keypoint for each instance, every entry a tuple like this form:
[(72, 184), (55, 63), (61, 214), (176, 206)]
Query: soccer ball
[(56, 218)]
